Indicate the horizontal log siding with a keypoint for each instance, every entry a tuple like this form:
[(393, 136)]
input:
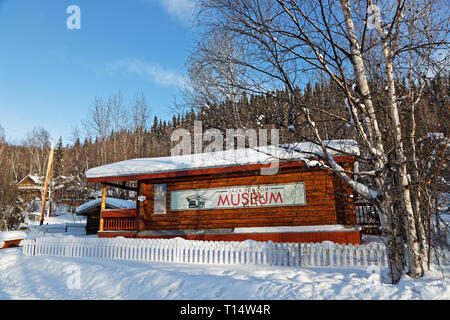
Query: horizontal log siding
[(345, 208), (320, 205)]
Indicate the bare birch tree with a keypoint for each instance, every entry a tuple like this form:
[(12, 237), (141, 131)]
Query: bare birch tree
[(10, 214), (140, 114), (214, 76), (119, 123), (38, 143), (98, 125), (365, 49)]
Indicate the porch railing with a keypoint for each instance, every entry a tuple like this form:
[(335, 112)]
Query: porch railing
[(367, 218), (119, 219), (125, 219)]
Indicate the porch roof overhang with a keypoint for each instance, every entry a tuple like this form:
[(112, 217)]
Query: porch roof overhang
[(110, 203)]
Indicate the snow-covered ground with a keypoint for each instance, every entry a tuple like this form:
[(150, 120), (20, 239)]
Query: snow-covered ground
[(58, 219), (43, 277), (46, 277)]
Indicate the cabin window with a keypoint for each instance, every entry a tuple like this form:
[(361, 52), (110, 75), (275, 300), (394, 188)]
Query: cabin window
[(159, 203)]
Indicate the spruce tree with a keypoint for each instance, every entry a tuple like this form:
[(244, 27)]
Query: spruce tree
[(58, 167)]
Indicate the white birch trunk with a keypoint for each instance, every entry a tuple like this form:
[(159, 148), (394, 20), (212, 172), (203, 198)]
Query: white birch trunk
[(414, 263), (391, 227)]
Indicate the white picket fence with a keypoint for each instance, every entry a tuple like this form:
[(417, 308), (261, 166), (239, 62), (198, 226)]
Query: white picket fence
[(210, 252)]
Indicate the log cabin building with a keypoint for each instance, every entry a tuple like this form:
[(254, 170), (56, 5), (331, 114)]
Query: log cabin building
[(66, 192), (30, 187), (234, 195)]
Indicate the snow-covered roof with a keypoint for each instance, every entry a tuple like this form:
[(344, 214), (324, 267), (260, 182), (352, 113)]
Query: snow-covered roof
[(113, 203), (335, 147), (35, 179), (259, 155), (12, 235)]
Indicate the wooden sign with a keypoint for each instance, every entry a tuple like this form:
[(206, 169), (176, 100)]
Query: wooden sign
[(270, 195)]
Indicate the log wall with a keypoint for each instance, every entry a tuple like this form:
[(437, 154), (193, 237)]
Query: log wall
[(327, 202)]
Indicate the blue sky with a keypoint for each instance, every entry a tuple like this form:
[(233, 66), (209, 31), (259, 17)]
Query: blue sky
[(49, 75)]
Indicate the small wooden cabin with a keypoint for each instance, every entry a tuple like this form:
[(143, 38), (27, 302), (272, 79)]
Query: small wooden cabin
[(30, 187), (64, 191), (91, 210), (234, 195)]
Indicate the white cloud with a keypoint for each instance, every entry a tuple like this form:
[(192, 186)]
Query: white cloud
[(182, 10), (155, 72)]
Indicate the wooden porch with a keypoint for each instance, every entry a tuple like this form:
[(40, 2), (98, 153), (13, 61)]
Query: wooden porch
[(123, 222), (131, 222), (119, 219)]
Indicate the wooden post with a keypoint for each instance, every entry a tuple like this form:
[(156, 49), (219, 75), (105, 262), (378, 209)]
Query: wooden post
[(49, 166), (103, 206), (50, 199), (139, 209)]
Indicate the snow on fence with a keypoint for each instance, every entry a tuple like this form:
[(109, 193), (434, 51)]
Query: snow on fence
[(179, 250)]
